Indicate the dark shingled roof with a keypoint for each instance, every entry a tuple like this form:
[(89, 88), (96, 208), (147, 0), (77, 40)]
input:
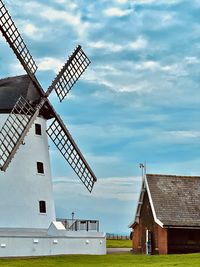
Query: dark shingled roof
[(176, 199), (12, 88)]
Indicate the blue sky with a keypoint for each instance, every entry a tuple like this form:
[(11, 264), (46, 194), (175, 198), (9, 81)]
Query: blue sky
[(138, 101)]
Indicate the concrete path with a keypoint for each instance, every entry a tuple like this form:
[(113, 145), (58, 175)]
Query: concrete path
[(118, 250)]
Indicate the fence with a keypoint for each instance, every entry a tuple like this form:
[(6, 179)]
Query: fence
[(80, 225), (117, 237)]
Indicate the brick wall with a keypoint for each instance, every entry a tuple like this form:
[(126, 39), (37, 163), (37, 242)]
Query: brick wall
[(146, 221), (136, 242), (162, 240)]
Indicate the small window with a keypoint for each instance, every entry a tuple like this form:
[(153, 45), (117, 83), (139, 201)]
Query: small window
[(42, 206), (40, 167), (38, 129)]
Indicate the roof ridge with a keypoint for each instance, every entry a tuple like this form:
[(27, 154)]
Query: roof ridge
[(172, 175), (12, 77)]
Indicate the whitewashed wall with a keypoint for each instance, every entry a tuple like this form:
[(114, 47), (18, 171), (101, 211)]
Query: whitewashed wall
[(21, 187), (38, 246)]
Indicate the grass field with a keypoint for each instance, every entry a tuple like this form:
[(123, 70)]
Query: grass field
[(118, 260), (111, 243)]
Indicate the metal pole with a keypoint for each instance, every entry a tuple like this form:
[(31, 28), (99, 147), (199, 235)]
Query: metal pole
[(72, 221), (145, 167), (142, 169)]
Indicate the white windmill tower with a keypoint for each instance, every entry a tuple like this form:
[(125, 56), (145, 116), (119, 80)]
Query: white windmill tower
[(27, 205)]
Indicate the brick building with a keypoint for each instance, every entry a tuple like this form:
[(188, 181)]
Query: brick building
[(167, 219)]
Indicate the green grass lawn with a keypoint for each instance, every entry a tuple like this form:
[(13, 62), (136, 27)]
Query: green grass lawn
[(110, 243), (118, 260)]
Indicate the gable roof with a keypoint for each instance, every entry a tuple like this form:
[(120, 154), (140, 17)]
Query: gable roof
[(175, 200)]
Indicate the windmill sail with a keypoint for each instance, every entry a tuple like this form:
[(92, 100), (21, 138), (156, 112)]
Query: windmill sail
[(70, 73), (15, 129), (68, 148), (14, 39)]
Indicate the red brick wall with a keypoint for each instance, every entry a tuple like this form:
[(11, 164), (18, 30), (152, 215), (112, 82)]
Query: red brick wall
[(146, 221), (162, 240), (136, 242)]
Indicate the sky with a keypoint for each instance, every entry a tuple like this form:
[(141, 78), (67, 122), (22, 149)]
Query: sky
[(139, 100)]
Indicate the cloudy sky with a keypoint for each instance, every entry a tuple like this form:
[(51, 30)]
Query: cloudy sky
[(138, 101)]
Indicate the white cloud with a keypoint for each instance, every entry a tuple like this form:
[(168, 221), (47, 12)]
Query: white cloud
[(121, 188), (113, 132), (69, 4), (16, 69), (106, 46), (178, 137), (141, 2), (160, 2), (116, 12), (54, 15), (116, 188), (105, 77), (167, 19), (100, 78), (156, 66), (121, 1), (31, 30), (176, 69), (106, 160), (71, 17), (137, 44), (184, 134), (158, 19), (191, 60), (118, 79), (147, 65), (44, 64), (49, 63), (32, 7), (141, 86)]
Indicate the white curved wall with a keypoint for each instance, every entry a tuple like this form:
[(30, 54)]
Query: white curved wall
[(21, 187)]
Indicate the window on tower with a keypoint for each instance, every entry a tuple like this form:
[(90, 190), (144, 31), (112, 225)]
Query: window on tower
[(42, 206), (38, 129), (40, 167)]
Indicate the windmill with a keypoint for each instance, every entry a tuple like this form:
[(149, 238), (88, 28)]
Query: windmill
[(25, 111), (27, 204), (27, 107)]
